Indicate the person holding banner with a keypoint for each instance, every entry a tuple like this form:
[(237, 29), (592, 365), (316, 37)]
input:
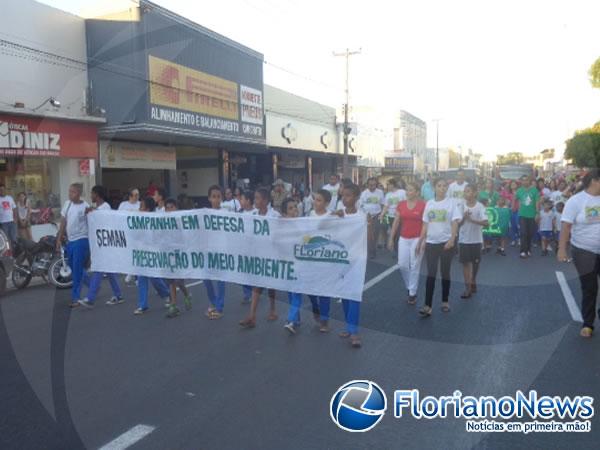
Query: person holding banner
[(289, 209), (178, 283), (350, 196), (99, 200), (217, 300), (262, 198), (321, 305), (440, 227), (247, 207), (409, 218), (470, 238), (149, 205), (73, 222)]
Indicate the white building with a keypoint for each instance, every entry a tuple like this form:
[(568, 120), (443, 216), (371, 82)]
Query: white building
[(47, 138)]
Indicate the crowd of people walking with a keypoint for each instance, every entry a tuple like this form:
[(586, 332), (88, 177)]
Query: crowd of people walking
[(428, 222)]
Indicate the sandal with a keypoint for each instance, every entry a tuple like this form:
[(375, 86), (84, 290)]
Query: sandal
[(324, 328), (209, 311), (215, 315), (355, 341), (344, 335), (425, 311), (248, 323), (272, 317), (445, 307)]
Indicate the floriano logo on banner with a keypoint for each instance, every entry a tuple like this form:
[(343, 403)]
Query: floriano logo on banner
[(321, 249)]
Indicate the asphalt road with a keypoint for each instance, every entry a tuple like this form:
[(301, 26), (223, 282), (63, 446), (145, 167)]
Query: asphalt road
[(81, 379)]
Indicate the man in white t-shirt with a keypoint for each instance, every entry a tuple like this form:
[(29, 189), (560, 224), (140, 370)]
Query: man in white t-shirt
[(99, 200), (371, 203), (230, 203), (333, 187), (73, 222), (8, 215), (456, 190), (133, 201), (394, 195)]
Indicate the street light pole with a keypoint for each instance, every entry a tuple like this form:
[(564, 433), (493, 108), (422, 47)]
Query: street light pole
[(347, 55)]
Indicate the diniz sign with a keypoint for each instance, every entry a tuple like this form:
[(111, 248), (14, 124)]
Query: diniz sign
[(17, 136), (25, 136)]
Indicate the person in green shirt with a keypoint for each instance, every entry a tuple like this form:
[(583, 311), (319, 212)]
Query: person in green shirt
[(489, 194), (503, 213), (529, 205)]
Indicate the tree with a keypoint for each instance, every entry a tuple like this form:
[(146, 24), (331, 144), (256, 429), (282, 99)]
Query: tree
[(584, 147), (510, 158), (594, 73)]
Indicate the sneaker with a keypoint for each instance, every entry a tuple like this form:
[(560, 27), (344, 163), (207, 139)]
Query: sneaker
[(173, 311), (586, 332), (140, 311), (290, 327), (86, 303), (523, 255), (115, 301), (187, 301)]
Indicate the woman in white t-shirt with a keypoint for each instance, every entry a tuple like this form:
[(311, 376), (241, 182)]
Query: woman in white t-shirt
[(133, 201), (440, 225), (581, 225)]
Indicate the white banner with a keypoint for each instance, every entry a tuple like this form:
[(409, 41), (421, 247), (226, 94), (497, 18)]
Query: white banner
[(317, 256)]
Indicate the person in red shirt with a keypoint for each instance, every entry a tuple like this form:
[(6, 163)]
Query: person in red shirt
[(409, 219)]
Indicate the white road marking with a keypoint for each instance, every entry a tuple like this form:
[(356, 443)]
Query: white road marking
[(372, 282), (129, 438), (195, 283), (568, 295)]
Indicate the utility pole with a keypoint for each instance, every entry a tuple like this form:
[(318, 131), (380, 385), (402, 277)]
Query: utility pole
[(347, 55), (437, 144)]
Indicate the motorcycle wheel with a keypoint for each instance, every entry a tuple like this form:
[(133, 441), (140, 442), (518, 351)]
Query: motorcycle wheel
[(21, 280), (54, 276)]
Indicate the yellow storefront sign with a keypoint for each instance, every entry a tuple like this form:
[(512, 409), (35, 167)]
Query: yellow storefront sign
[(176, 86)]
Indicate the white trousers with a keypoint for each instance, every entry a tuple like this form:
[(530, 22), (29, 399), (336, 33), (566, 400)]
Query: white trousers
[(409, 263)]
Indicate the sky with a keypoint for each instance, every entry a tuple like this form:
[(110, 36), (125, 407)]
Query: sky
[(502, 76)]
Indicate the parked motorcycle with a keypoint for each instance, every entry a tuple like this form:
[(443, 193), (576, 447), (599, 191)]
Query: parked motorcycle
[(40, 259)]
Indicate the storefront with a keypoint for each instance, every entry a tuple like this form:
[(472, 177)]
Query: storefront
[(180, 90), (303, 144), (42, 156)]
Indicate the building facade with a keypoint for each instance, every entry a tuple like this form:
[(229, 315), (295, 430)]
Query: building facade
[(183, 104), (302, 138), (48, 135)]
